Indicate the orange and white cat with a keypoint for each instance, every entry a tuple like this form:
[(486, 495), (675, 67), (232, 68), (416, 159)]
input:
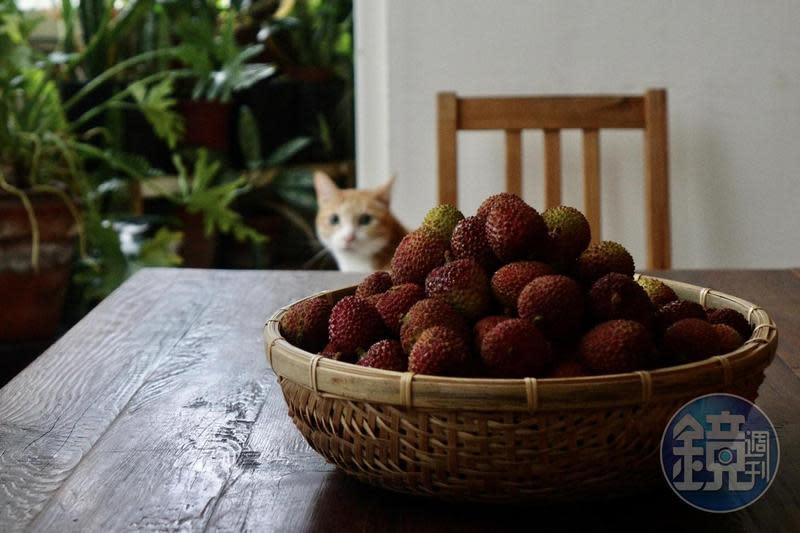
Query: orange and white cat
[(356, 226)]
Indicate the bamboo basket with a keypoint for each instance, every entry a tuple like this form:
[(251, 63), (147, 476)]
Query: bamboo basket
[(506, 440)]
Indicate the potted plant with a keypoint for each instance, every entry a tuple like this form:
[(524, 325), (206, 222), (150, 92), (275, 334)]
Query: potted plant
[(310, 41), (206, 198), (220, 67), (47, 168), (282, 204)]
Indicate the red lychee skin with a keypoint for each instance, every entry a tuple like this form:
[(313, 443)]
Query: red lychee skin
[(510, 279), (617, 296), (463, 284), (484, 326), (428, 313), (674, 311), (728, 339), (690, 339), (387, 355), (515, 231), (416, 255), (376, 283), (615, 346), (469, 241), (554, 303), (331, 352), (354, 325), (515, 348), (602, 258), (395, 303), (373, 298), (438, 351), (496, 199), (732, 318), (305, 324), (568, 369)]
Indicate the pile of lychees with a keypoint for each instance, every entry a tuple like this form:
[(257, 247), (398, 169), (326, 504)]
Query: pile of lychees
[(511, 293)]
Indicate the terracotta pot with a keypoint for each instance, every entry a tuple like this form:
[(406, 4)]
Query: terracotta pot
[(207, 123), (32, 301)]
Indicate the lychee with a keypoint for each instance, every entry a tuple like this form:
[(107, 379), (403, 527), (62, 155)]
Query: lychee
[(510, 279), (393, 304), (462, 284), (617, 296), (568, 234), (515, 230), (690, 339), (386, 354), (439, 351), (354, 325), (376, 283), (441, 220), (603, 258), (428, 313), (554, 303), (672, 312), (305, 324), (616, 346), (731, 317), (469, 241), (416, 255), (515, 348)]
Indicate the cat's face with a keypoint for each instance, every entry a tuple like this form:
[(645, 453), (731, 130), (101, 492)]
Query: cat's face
[(350, 221)]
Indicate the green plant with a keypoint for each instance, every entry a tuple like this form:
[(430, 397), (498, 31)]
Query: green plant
[(220, 66), (42, 151), (108, 34), (317, 33), (201, 191), (288, 192)]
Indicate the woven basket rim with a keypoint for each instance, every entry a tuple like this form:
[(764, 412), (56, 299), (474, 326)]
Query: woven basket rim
[(409, 390)]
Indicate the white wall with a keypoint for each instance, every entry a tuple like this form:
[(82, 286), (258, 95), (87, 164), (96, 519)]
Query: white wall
[(732, 69)]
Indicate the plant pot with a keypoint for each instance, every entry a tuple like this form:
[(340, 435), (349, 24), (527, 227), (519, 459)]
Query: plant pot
[(197, 250), (208, 124), (33, 300)]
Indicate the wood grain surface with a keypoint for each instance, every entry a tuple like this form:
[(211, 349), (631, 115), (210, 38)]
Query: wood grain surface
[(159, 412)]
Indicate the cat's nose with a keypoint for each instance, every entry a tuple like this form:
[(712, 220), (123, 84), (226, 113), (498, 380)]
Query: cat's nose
[(349, 238)]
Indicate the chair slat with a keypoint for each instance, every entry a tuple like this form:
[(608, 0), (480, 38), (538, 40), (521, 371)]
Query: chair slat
[(591, 180), (656, 180), (448, 151), (551, 112), (552, 168), (514, 162)]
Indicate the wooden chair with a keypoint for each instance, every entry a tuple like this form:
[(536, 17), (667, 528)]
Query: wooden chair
[(590, 113)]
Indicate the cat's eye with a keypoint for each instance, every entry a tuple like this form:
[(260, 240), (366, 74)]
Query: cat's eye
[(364, 219), (334, 219)]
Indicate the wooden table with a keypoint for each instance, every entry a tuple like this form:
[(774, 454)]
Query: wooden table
[(158, 411)]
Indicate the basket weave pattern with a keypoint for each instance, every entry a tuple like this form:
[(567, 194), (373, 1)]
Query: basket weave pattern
[(489, 456), (510, 449)]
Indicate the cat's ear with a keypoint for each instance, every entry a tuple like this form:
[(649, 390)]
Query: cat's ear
[(325, 187), (384, 192)]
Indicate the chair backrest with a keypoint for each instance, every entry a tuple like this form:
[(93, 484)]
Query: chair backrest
[(589, 113)]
